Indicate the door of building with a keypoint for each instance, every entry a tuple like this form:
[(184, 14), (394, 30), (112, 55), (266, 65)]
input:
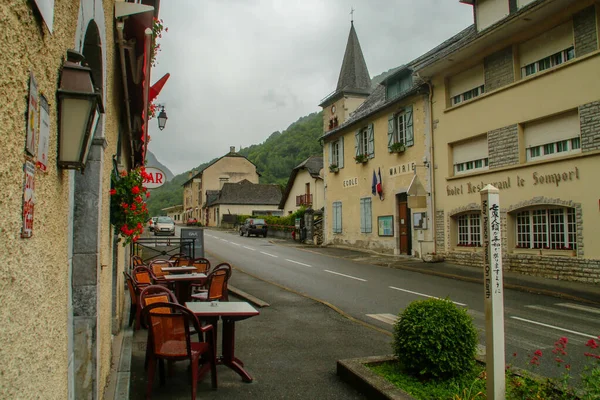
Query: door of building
[(404, 227)]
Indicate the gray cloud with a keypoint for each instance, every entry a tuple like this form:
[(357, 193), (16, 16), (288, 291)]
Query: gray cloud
[(242, 69)]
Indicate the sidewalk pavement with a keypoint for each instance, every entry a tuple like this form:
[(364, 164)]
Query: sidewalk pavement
[(292, 347)]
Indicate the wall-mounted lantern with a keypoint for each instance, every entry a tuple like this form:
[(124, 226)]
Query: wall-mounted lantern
[(162, 119), (79, 109)]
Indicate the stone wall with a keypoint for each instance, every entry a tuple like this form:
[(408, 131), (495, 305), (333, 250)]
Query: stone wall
[(589, 120), (584, 28), (499, 69), (439, 231), (503, 146)]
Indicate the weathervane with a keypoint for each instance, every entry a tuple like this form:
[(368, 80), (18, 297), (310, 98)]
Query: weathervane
[(351, 14)]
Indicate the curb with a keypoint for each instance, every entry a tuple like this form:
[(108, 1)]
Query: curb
[(248, 297)]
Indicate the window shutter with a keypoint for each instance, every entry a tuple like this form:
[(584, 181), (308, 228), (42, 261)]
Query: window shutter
[(357, 143), (330, 153), (368, 216), (362, 216), (371, 145), (390, 131), (410, 141), (341, 153)]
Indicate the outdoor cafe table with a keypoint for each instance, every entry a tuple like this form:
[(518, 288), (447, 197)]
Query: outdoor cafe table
[(229, 312), (179, 270), (183, 284)]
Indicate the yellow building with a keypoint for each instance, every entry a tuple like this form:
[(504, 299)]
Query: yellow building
[(61, 277), (377, 136), (230, 168), (305, 187), (516, 103)]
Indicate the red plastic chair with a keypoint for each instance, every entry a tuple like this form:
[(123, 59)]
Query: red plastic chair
[(169, 338), (216, 284)]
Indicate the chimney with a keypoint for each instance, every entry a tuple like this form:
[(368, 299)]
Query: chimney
[(232, 149)]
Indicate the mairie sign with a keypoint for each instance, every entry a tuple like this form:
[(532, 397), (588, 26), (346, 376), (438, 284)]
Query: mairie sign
[(155, 178)]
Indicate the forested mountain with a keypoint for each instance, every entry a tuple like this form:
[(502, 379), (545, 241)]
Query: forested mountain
[(275, 157)]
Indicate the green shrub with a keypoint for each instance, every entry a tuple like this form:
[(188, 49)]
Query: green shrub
[(435, 339)]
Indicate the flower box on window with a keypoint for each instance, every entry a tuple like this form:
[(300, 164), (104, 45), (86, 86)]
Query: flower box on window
[(361, 158), (334, 168), (397, 147)]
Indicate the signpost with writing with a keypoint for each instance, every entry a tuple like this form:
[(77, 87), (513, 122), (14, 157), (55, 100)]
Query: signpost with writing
[(154, 178), (192, 233), (493, 292)]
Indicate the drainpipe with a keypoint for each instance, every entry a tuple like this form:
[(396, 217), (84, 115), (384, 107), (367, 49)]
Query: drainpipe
[(148, 66), (432, 165), (121, 43)]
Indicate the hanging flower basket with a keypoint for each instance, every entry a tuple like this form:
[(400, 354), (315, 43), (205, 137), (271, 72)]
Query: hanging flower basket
[(128, 211), (361, 158), (397, 147), (334, 168)]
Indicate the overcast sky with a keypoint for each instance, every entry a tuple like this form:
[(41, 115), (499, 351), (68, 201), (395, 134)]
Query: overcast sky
[(242, 69)]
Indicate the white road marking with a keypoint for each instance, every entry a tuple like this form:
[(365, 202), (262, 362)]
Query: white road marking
[(299, 263), (267, 254), (225, 240), (549, 310), (386, 318), (249, 248), (347, 276), (425, 295), (554, 327), (579, 307), (237, 244)]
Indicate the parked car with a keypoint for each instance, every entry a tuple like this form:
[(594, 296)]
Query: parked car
[(164, 226), (254, 226), (191, 221), (151, 223)]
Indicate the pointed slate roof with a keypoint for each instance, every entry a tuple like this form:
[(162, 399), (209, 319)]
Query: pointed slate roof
[(354, 75)]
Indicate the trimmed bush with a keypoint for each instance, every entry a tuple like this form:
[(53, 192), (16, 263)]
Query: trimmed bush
[(435, 339)]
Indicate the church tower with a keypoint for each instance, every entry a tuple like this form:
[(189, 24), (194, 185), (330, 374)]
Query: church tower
[(353, 87)]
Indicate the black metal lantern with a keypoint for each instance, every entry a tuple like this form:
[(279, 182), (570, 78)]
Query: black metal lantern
[(79, 109), (162, 119)]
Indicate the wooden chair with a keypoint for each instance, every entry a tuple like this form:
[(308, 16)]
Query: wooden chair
[(169, 338), (136, 261), (216, 285), (142, 276), (133, 295)]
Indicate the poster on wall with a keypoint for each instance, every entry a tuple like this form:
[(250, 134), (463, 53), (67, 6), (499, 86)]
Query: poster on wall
[(28, 199), (385, 225), (42, 158), (33, 113)]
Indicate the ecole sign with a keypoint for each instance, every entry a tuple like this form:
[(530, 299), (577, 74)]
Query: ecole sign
[(155, 178)]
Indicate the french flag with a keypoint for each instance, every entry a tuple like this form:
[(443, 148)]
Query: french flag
[(379, 185)]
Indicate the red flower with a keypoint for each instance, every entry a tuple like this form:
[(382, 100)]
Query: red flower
[(133, 207), (147, 194), (113, 192), (538, 353), (124, 205), (592, 344), (138, 199), (123, 173), (135, 190)]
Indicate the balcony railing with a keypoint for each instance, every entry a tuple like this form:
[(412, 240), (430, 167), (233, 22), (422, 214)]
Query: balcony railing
[(304, 200)]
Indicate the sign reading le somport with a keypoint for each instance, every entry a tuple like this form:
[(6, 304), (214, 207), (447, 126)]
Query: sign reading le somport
[(155, 178)]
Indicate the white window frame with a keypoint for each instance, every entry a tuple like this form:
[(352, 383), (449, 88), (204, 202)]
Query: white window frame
[(468, 167), (553, 228), (336, 219), (548, 62), (335, 151), (363, 142), (554, 149), (366, 215), (400, 128), (469, 229), (471, 94)]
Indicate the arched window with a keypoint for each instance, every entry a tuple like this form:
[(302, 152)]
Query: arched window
[(546, 228), (469, 229)]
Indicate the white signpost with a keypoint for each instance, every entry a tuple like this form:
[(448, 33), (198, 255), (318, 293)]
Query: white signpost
[(155, 178), (493, 296)]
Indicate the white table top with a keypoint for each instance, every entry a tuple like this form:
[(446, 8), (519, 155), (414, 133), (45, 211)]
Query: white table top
[(225, 308)]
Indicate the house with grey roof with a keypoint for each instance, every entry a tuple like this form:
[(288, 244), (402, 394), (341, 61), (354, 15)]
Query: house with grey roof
[(243, 198), (305, 187)]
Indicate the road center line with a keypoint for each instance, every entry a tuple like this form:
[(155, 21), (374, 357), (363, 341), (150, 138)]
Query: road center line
[(299, 263), (237, 244), (555, 327), (267, 254), (347, 276), (249, 248), (425, 295)]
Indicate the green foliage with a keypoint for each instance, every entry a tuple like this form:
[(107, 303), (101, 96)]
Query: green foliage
[(128, 211), (276, 222), (435, 339)]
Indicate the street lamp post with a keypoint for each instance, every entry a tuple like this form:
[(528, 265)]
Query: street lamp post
[(162, 118)]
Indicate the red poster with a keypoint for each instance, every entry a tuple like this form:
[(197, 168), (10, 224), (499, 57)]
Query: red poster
[(28, 199)]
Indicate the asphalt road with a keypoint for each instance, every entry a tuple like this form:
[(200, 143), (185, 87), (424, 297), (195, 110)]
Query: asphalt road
[(376, 295)]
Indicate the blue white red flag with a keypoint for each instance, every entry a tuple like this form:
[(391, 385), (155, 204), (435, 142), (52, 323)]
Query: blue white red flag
[(379, 185), (374, 184)]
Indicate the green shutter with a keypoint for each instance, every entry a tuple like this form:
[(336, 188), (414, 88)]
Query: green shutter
[(371, 142), (368, 216), (410, 141), (390, 131), (357, 143), (362, 215), (341, 153), (330, 152)]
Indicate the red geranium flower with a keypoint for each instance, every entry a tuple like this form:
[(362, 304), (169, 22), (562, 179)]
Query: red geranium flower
[(113, 192), (135, 190)]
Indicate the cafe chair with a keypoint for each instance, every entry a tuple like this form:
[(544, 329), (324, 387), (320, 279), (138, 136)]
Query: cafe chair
[(202, 265), (136, 261), (216, 284), (156, 267), (133, 295), (179, 259), (142, 275), (169, 338)]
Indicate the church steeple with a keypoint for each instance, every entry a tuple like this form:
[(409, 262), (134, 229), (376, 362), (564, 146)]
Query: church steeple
[(354, 75)]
